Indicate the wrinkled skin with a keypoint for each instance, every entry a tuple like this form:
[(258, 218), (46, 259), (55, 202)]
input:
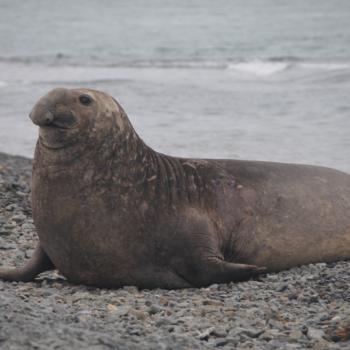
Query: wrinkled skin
[(111, 212)]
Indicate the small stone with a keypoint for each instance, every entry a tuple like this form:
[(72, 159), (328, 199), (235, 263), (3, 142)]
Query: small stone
[(111, 308), (220, 342), (154, 309), (205, 335), (255, 333), (121, 311), (107, 341), (21, 194), (140, 315), (323, 317), (213, 286), (164, 322), (304, 330), (80, 296), (219, 332), (11, 207), (249, 332), (18, 218), (295, 335), (28, 226), (131, 289), (335, 319), (133, 331), (28, 253), (82, 315), (270, 334), (316, 334), (276, 344), (163, 301), (10, 225)]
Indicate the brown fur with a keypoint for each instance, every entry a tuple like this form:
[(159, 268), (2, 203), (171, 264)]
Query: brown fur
[(110, 211)]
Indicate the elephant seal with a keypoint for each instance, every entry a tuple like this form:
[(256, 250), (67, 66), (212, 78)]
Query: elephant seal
[(110, 211)]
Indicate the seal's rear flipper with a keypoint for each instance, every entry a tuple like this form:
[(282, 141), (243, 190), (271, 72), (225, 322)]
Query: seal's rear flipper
[(216, 270), (39, 262)]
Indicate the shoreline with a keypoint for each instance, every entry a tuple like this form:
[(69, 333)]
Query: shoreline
[(305, 307)]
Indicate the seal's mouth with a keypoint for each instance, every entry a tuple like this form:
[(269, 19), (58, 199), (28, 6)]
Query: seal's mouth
[(62, 121), (49, 120), (54, 128)]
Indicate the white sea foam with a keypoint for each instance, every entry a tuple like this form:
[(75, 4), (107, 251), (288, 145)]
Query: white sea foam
[(266, 68), (259, 68)]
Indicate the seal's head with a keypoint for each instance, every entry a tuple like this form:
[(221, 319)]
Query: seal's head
[(69, 117)]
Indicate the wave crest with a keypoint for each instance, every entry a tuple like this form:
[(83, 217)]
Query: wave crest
[(260, 68)]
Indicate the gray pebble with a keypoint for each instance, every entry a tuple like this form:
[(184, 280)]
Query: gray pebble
[(154, 309), (314, 333)]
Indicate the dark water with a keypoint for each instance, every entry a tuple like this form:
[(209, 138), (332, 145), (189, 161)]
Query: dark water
[(255, 79)]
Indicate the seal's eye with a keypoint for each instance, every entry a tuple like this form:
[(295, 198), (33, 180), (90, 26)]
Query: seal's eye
[(85, 99)]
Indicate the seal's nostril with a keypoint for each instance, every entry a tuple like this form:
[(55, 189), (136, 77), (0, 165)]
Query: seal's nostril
[(48, 118)]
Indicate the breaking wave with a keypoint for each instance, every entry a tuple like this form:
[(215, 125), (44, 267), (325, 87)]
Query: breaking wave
[(260, 68)]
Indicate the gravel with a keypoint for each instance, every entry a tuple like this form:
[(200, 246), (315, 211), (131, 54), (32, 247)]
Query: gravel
[(305, 307)]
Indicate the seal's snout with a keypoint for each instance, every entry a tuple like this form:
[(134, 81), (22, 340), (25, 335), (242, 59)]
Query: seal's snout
[(42, 118), (54, 110), (59, 117)]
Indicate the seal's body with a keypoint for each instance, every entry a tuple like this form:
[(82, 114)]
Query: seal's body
[(110, 211)]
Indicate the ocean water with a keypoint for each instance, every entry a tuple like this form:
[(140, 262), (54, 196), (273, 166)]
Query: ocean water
[(248, 79)]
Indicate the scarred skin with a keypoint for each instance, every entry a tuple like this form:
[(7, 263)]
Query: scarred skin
[(110, 211)]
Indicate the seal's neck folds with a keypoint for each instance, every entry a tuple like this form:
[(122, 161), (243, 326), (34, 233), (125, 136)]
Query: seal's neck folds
[(121, 163)]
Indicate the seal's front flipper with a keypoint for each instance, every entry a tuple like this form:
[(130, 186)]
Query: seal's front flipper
[(39, 262), (216, 270)]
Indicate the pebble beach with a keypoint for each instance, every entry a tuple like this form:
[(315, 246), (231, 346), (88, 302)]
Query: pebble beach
[(304, 308), (259, 79)]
